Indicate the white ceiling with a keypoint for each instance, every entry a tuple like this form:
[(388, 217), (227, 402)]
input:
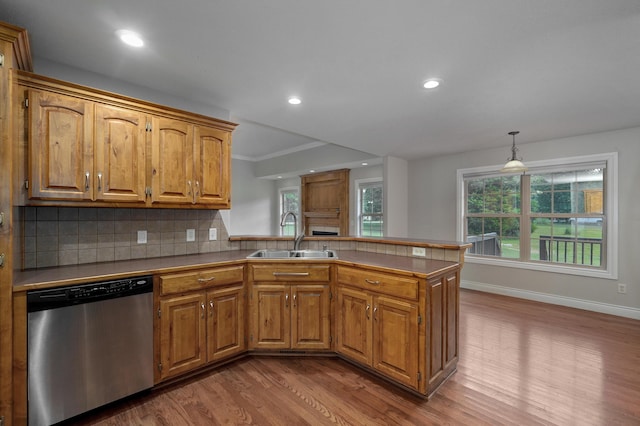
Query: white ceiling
[(549, 68)]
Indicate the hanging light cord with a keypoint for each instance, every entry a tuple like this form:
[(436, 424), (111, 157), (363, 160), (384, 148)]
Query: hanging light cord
[(513, 147)]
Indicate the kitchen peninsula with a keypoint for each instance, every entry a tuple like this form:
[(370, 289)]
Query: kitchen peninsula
[(375, 305)]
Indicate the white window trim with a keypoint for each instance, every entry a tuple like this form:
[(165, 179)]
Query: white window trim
[(357, 183), (611, 203), (281, 208)]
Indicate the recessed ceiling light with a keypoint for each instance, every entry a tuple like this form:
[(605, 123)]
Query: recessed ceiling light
[(365, 164), (294, 100), (312, 171), (432, 83), (130, 38)]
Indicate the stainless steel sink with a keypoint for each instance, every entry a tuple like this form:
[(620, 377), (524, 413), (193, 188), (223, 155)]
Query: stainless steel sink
[(293, 254)]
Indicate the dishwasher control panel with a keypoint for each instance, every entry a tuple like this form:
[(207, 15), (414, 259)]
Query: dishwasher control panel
[(38, 300)]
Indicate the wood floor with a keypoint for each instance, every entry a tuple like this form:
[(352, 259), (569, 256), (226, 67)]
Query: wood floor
[(521, 363)]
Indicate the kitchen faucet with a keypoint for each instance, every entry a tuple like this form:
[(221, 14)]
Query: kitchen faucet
[(297, 239)]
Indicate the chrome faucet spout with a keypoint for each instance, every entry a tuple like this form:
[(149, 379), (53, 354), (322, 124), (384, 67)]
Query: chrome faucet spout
[(297, 239)]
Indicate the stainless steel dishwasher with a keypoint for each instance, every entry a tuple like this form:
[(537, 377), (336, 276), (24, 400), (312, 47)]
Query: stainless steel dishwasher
[(88, 345)]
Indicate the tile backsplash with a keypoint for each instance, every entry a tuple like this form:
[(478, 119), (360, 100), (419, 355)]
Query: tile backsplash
[(55, 236)]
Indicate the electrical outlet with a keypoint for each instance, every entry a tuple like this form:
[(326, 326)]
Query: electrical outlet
[(418, 251), (191, 235), (213, 234), (622, 288), (142, 237)]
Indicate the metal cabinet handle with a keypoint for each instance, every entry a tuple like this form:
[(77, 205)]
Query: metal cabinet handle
[(375, 313), (99, 182), (1, 260), (189, 185), (286, 300), (367, 311), (86, 181), (206, 280), (290, 274), (197, 192), (202, 313), (372, 282), (295, 299), (211, 305)]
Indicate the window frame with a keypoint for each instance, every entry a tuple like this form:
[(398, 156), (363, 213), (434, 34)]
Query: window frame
[(360, 183), (281, 192), (610, 186)]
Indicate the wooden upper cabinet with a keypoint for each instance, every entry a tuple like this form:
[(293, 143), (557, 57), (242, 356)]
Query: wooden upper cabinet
[(325, 202), (120, 154), (191, 164), (212, 166), (89, 146), (60, 146), (171, 161)]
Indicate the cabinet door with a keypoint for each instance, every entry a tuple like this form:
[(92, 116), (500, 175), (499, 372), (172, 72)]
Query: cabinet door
[(271, 317), (182, 334), (171, 161), (353, 325), (212, 166), (310, 325), (60, 147), (395, 339), (443, 327), (225, 323), (120, 154)]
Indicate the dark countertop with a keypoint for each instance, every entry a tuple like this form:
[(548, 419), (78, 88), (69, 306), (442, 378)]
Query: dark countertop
[(77, 274)]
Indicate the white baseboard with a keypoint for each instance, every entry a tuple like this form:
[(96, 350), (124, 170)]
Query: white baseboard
[(605, 308)]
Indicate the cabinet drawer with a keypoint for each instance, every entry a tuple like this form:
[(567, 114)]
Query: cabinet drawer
[(188, 281), (392, 285), (291, 272)]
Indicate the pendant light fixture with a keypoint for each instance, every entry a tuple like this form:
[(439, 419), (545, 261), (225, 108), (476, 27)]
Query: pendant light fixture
[(514, 165)]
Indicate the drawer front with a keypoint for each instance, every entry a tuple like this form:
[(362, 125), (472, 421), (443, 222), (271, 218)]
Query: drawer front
[(197, 280), (290, 273), (392, 285)]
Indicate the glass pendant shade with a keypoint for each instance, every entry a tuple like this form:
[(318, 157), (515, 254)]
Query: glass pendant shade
[(514, 166)]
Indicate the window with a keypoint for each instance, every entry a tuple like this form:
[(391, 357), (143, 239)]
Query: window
[(370, 216), (559, 216), (289, 202)]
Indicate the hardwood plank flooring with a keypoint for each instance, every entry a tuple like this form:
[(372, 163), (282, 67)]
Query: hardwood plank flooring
[(521, 362)]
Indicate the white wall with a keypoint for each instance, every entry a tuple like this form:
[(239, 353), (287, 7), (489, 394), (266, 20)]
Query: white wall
[(396, 197), (252, 202), (432, 214), (97, 81)]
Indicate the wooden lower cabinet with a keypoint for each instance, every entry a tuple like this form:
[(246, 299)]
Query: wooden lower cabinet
[(395, 339), (200, 327), (353, 324), (290, 316), (379, 332), (182, 334), (226, 323), (399, 326), (443, 296)]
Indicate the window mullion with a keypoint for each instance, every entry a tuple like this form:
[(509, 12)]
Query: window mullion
[(525, 219)]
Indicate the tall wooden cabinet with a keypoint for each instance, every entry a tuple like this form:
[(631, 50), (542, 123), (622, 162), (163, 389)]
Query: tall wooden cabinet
[(16, 54), (88, 146)]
